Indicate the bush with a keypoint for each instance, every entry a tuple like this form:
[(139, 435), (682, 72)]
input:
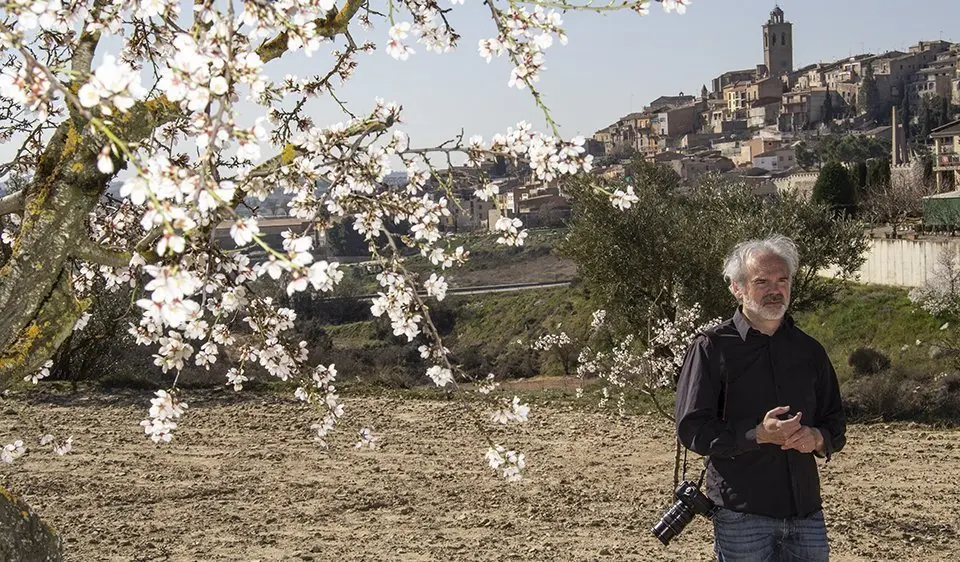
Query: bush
[(835, 188), (472, 360), (877, 397), (867, 361), (671, 243), (315, 334), (901, 394), (517, 364), (391, 366)]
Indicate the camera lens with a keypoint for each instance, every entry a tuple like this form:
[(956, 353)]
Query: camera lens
[(673, 522)]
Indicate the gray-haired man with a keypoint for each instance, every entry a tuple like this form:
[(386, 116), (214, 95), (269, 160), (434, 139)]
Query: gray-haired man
[(760, 400)]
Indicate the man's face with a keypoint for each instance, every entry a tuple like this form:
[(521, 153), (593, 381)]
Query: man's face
[(767, 291)]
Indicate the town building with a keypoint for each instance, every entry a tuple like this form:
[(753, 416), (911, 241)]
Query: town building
[(946, 156), (805, 108), (732, 77), (773, 97), (675, 121), (776, 160), (778, 44), (755, 147), (763, 112)]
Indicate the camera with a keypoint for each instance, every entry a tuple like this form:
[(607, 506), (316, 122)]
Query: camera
[(690, 501)]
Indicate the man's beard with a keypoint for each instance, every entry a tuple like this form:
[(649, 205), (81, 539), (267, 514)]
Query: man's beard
[(767, 312)]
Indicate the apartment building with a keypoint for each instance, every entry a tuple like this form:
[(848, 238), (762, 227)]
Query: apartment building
[(946, 155)]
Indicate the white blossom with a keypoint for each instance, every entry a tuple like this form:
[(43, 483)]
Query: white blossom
[(436, 286), (367, 440), (623, 200), (164, 409), (12, 451), (43, 373), (441, 376)]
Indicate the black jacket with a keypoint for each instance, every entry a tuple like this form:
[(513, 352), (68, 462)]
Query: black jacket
[(732, 375)]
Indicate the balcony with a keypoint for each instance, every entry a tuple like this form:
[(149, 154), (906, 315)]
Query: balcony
[(946, 161)]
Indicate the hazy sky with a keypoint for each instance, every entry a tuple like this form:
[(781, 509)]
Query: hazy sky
[(621, 61)]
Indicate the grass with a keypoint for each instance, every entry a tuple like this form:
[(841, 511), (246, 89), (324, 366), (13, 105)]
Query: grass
[(496, 321), (876, 316), (880, 317), (355, 335)]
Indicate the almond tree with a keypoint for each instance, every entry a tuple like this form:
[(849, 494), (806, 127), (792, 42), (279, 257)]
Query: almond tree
[(167, 111)]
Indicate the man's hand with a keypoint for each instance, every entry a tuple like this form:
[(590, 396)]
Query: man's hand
[(777, 431), (806, 440)]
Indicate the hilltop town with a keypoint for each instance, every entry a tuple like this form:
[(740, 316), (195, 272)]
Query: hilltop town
[(751, 120), (762, 125)]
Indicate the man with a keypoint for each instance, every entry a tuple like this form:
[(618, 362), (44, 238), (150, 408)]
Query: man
[(760, 400)]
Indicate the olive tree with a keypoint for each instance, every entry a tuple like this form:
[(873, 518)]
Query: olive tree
[(667, 250)]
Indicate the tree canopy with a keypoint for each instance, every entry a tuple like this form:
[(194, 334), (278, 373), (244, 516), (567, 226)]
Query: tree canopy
[(836, 188), (182, 107), (670, 245)]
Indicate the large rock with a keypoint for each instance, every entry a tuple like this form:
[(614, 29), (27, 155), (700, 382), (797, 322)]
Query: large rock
[(23, 536)]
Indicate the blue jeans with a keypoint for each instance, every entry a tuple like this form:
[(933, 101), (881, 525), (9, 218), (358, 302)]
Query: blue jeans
[(743, 537)]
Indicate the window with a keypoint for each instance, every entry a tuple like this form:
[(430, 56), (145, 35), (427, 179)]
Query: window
[(783, 38), (773, 40)]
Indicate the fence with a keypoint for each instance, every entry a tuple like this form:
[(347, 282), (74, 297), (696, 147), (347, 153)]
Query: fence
[(905, 263)]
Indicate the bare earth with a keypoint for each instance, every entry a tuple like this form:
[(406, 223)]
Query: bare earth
[(242, 481)]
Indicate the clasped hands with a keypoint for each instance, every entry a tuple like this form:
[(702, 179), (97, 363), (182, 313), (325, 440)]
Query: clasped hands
[(788, 433)]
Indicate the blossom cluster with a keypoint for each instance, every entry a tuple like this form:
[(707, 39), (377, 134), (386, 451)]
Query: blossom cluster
[(428, 27), (113, 85), (204, 159), (512, 411), (59, 448), (367, 440), (29, 87), (649, 365), (508, 464), (322, 391), (550, 341), (940, 294), (524, 36), (164, 409), (12, 451), (548, 157), (41, 374), (675, 336)]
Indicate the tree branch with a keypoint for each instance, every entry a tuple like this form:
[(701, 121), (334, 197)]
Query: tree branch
[(90, 251), (329, 27), (11, 203)]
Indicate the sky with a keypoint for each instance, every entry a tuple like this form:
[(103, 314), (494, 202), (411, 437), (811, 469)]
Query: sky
[(612, 65), (617, 63)]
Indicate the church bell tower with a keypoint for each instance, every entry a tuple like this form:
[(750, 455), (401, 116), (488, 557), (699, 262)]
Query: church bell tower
[(778, 44)]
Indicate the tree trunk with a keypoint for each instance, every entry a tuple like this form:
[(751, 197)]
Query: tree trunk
[(37, 303), (23, 536), (38, 306)]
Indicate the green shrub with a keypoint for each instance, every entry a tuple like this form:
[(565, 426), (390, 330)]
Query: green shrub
[(901, 394), (867, 361), (517, 363)]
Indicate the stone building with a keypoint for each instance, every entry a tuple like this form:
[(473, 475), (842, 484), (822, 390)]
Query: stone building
[(778, 44)]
